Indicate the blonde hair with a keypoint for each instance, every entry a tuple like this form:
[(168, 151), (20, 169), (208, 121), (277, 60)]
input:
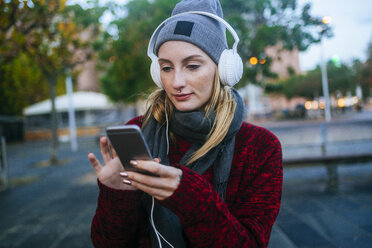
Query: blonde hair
[(221, 102)]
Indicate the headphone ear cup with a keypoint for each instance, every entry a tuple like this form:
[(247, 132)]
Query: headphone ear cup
[(155, 73), (230, 67)]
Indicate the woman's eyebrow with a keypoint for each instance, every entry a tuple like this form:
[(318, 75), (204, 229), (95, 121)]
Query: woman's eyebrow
[(161, 60), (191, 57)]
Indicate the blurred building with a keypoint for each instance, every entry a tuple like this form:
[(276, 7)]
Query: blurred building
[(284, 63), (88, 77), (93, 112)]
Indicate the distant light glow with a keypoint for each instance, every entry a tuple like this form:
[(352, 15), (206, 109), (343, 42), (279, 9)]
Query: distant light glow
[(315, 105), (253, 61), (341, 102), (336, 60), (322, 105), (326, 20)]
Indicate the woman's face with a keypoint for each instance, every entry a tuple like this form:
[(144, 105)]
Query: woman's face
[(187, 74)]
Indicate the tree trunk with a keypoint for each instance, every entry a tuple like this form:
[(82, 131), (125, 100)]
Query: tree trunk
[(53, 151)]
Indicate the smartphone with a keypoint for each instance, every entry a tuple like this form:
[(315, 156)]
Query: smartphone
[(129, 144)]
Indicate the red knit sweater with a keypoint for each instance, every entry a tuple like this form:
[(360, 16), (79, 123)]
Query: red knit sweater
[(244, 220)]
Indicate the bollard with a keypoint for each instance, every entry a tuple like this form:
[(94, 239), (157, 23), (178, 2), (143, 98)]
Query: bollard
[(332, 185), (323, 135), (3, 164)]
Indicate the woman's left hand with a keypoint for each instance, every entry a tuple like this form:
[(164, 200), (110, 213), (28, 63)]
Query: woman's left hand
[(160, 187)]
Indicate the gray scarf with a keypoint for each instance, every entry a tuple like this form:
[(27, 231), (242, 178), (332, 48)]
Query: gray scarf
[(194, 127)]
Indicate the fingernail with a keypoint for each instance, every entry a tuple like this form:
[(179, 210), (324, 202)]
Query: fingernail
[(127, 182), (123, 174), (133, 162)]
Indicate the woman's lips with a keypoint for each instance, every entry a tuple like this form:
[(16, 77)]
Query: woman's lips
[(182, 97)]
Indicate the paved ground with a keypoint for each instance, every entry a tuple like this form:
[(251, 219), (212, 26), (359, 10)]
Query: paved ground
[(311, 217), (52, 206)]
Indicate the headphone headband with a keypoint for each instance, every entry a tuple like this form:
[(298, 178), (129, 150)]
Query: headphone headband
[(154, 36)]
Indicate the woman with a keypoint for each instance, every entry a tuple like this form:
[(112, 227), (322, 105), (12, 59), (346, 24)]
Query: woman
[(219, 179)]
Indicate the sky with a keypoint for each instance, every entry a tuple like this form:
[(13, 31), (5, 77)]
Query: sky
[(352, 28)]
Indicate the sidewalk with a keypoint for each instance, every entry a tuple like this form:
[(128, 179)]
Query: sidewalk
[(311, 217), (52, 206), (48, 206)]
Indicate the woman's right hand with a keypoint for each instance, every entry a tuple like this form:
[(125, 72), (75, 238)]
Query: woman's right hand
[(109, 173)]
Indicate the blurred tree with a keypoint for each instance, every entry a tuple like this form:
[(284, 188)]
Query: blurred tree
[(263, 23), (308, 86), (341, 80), (126, 64), (22, 84), (365, 76), (259, 23), (49, 33)]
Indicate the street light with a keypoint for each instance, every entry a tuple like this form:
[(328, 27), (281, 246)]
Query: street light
[(325, 20), (327, 108), (71, 113)]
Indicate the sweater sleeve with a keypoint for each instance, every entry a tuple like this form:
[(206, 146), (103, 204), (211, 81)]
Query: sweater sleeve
[(244, 221), (119, 220)]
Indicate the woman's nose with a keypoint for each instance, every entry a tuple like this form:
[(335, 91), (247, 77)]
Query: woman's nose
[(179, 80)]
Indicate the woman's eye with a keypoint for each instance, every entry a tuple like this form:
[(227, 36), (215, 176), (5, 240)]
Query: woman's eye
[(193, 67), (166, 68)]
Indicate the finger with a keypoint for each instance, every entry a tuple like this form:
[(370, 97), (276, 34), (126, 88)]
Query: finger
[(155, 168), (114, 154), (159, 194), (104, 149), (157, 160), (94, 162), (166, 183)]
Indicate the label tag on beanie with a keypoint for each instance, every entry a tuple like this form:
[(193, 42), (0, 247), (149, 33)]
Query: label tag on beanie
[(184, 28)]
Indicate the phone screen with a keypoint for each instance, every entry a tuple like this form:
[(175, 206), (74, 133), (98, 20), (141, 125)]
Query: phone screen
[(129, 144)]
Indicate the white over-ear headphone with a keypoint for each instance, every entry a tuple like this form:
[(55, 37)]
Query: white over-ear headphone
[(230, 65)]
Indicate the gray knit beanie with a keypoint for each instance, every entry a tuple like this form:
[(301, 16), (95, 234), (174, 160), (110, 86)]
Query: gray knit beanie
[(204, 32)]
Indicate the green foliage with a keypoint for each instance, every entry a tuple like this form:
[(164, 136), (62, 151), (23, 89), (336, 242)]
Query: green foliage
[(341, 79), (127, 76), (22, 84), (39, 40), (365, 73), (85, 17), (46, 32)]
